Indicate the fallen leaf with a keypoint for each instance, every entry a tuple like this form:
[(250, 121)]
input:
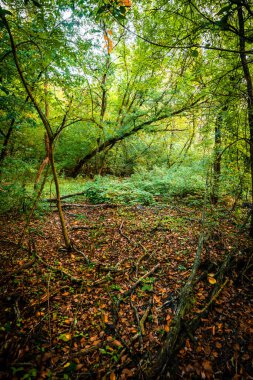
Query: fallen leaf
[(211, 280), (112, 376), (39, 313), (117, 343), (65, 337), (79, 366), (207, 365), (96, 342)]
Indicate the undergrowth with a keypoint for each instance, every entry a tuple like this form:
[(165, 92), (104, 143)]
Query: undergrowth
[(144, 188)]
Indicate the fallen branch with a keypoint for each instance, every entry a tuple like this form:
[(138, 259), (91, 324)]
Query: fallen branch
[(122, 234), (59, 270), (85, 205), (76, 228), (160, 361), (19, 270), (145, 315), (128, 292), (139, 334), (214, 297), (81, 253), (63, 197)]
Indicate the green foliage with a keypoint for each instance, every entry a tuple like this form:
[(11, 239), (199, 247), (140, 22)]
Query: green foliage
[(144, 187), (110, 98), (178, 181), (19, 170), (14, 197), (111, 190)]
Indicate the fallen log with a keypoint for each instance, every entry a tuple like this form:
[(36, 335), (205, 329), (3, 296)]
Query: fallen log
[(159, 364), (165, 363), (63, 197), (85, 205)]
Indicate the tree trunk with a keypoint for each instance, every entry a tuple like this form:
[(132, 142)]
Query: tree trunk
[(217, 161), (58, 197), (248, 79), (49, 131), (4, 150)]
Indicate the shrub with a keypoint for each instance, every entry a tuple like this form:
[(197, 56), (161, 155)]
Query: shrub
[(14, 197), (111, 190)]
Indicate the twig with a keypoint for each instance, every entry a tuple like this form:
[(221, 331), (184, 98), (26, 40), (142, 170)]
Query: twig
[(216, 295), (122, 234), (140, 280), (81, 253), (139, 334), (64, 197), (136, 243), (145, 315), (72, 278), (75, 228), (48, 307)]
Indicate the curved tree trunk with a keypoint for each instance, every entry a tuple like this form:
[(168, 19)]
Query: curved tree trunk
[(47, 126)]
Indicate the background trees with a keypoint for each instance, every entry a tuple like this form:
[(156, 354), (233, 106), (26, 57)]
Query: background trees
[(123, 86)]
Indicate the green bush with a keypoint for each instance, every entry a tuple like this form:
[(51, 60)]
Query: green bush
[(14, 197), (144, 186), (178, 181), (111, 190)]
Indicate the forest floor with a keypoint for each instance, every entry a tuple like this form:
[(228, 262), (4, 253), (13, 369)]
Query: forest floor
[(62, 318)]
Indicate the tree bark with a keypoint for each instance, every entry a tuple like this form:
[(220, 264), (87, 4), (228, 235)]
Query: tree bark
[(248, 79), (4, 150), (217, 160)]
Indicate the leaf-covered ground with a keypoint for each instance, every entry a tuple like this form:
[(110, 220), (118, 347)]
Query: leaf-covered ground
[(62, 318)]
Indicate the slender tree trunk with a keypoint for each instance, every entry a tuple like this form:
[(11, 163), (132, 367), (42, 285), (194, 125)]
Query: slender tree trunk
[(4, 150), (58, 197), (217, 161), (46, 159), (48, 129), (248, 79)]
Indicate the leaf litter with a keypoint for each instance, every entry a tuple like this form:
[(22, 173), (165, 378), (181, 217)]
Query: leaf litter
[(62, 318)]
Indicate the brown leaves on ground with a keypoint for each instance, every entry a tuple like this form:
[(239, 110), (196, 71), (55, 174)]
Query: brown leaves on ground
[(55, 327)]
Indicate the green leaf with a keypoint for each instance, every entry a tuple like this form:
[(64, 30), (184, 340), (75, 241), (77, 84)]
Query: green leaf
[(4, 89), (224, 9), (101, 10), (194, 53), (147, 287), (36, 3), (4, 12), (65, 337), (122, 9)]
